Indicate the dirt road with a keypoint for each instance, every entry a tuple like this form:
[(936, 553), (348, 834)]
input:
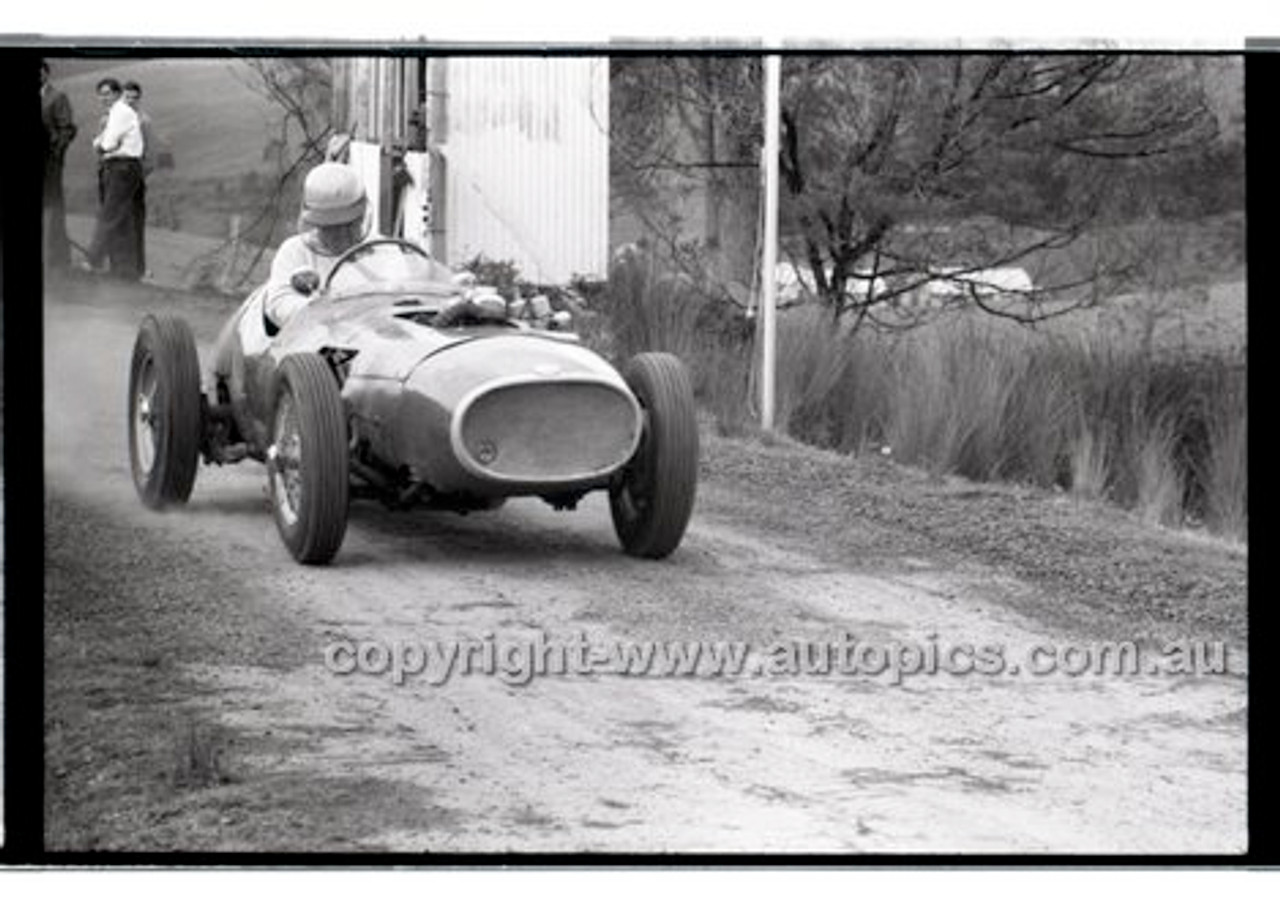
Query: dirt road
[(190, 705)]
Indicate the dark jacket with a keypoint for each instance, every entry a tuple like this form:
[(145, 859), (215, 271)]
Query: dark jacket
[(59, 127)]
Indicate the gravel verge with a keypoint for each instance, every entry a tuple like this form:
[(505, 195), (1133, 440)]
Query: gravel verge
[(1094, 568)]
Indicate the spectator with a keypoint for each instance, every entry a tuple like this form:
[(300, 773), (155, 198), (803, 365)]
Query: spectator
[(115, 236), (59, 130), (133, 96)]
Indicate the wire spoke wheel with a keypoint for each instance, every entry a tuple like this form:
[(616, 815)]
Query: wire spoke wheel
[(165, 419), (652, 497), (307, 464)]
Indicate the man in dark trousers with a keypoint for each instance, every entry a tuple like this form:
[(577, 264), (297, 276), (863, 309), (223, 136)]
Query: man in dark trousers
[(115, 236), (59, 130), (133, 96)]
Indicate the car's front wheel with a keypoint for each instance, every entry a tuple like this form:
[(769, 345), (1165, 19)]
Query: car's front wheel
[(164, 412), (307, 459), (652, 497)]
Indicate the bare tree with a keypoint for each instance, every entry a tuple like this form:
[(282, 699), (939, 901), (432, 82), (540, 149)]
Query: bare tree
[(901, 173), (905, 173), (685, 139), (300, 90)]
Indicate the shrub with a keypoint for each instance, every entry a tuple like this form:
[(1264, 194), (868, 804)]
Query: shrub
[(1160, 489), (501, 274), (1224, 469), (645, 307), (1089, 453), (1103, 416)]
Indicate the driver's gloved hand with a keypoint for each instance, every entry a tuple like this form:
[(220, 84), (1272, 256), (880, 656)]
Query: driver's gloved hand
[(305, 280)]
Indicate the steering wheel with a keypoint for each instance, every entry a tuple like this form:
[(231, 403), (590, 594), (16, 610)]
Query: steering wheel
[(361, 248)]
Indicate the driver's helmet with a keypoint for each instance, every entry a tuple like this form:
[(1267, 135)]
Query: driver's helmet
[(332, 195)]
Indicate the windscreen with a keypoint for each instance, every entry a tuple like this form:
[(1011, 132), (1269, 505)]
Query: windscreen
[(387, 265)]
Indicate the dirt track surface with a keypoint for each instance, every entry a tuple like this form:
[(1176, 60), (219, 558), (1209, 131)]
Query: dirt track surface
[(189, 705)]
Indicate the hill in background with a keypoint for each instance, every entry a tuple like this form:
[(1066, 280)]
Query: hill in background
[(204, 112)]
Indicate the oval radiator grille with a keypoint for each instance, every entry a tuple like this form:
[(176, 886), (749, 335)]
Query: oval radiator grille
[(549, 431)]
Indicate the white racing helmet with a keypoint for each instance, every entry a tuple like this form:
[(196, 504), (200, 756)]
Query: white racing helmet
[(332, 195)]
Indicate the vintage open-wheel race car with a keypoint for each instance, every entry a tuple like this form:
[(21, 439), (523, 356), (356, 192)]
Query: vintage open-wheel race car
[(394, 383)]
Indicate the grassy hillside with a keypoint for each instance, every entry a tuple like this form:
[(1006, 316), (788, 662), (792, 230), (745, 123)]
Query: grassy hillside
[(204, 111), (189, 261), (65, 68)]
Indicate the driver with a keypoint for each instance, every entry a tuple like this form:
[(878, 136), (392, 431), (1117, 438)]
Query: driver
[(332, 222)]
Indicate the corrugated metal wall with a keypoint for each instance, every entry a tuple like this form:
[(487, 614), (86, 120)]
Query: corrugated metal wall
[(527, 163), (524, 144)]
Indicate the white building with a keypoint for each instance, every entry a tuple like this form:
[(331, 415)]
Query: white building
[(505, 157)]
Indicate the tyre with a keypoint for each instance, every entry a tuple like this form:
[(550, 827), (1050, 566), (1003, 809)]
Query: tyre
[(307, 459), (165, 423), (652, 497)]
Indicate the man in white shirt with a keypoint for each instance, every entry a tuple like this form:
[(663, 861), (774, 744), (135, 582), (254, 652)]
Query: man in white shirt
[(120, 147), (133, 97)]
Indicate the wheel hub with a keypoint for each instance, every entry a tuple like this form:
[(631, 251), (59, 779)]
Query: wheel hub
[(284, 462), (146, 420)]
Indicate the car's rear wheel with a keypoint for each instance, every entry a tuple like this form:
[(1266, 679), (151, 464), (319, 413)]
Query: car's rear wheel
[(307, 459), (164, 412), (651, 499)]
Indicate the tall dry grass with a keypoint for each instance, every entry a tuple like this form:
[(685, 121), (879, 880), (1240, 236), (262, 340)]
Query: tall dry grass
[(644, 307), (1225, 464), (1166, 437), (1162, 434)]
